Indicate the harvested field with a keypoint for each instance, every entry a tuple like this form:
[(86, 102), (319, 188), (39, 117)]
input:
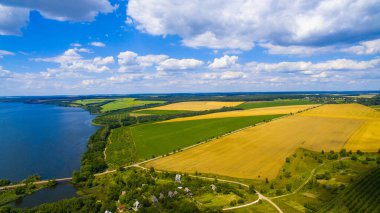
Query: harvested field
[(196, 105), (249, 112), (367, 138), (261, 151), (350, 111)]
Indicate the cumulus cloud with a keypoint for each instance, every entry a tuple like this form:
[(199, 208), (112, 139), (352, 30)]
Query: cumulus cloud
[(14, 14), (71, 60), (296, 50), (12, 20), (240, 24), (131, 61), (228, 75), (310, 68), (172, 64), (365, 48), (97, 44), (224, 62)]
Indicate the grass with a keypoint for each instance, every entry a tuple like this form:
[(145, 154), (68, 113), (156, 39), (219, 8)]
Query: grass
[(261, 104), (123, 103), (91, 101), (328, 193), (363, 196), (120, 149), (157, 139), (159, 112)]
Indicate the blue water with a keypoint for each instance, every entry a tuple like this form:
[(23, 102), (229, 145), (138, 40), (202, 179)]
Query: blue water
[(43, 139), (59, 192)]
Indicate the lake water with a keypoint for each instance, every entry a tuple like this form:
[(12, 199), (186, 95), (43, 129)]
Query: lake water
[(40, 138), (47, 195)]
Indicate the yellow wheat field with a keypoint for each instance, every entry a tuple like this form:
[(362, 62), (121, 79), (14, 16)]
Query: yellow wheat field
[(261, 150), (196, 105), (249, 112), (367, 138), (352, 111)]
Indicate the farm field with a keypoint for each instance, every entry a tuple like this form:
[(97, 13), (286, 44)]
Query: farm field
[(363, 196), (266, 146), (91, 101), (196, 105), (367, 138), (158, 112), (120, 148), (161, 138), (248, 112), (261, 104), (376, 107), (126, 103)]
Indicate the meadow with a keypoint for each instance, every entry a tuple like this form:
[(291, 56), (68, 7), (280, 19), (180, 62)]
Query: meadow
[(196, 105), (123, 103), (266, 146), (91, 101), (155, 139), (261, 104)]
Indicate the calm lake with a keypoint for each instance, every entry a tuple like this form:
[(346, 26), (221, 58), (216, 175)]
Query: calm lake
[(42, 139)]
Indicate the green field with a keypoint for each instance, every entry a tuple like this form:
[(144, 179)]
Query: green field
[(160, 112), (261, 104), (120, 149), (90, 101), (363, 196), (126, 103), (156, 139)]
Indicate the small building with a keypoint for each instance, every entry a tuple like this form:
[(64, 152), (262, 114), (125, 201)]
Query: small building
[(213, 187), (136, 206), (178, 178)]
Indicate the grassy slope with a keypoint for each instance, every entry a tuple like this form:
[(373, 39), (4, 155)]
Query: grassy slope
[(125, 103), (252, 105), (161, 138), (160, 112), (363, 196)]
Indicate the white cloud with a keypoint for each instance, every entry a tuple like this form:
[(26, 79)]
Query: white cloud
[(172, 64), (365, 48), (5, 73), (14, 14), (228, 75), (232, 75), (71, 60), (4, 53), (131, 61), (97, 44), (75, 45), (296, 50), (12, 20), (239, 24), (309, 67), (224, 62)]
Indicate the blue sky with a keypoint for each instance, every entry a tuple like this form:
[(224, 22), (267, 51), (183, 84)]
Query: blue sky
[(153, 46)]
